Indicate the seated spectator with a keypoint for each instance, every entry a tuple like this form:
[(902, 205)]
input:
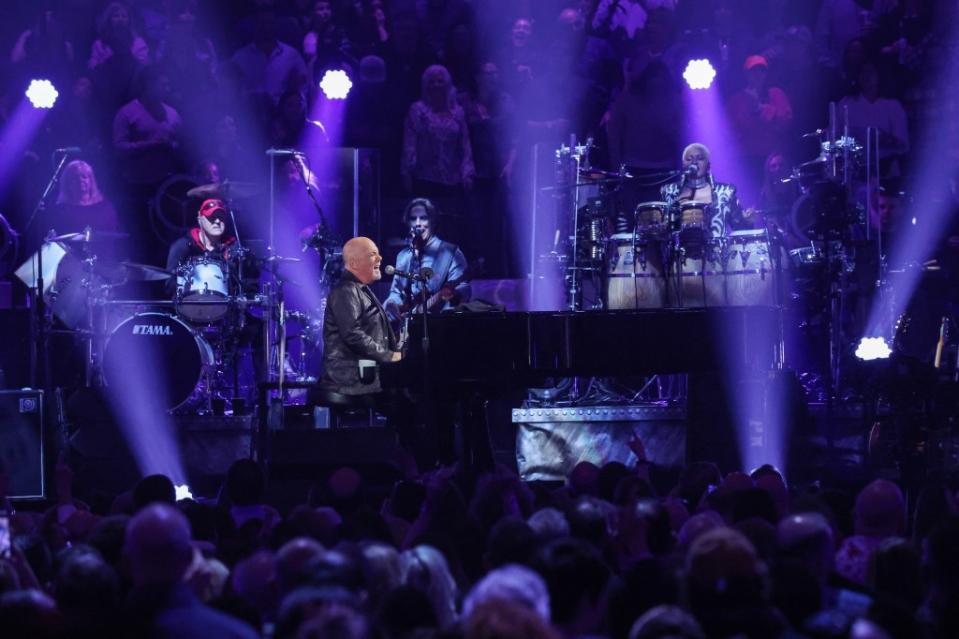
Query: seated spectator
[(189, 59), (576, 577), (506, 619), (437, 159), (760, 116), (880, 512), (146, 131), (840, 21), (80, 203), (521, 61), (87, 591), (115, 33), (291, 124), (548, 524), (268, 67), (294, 561), (514, 583), (153, 489), (725, 586), (367, 26), (325, 44), (425, 568), (868, 109), (438, 18), (666, 621), (159, 552), (460, 54), (30, 613)]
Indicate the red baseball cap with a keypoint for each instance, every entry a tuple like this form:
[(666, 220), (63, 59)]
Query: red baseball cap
[(211, 206), (755, 61)]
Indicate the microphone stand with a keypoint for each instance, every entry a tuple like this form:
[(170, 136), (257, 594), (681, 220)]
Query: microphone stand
[(309, 190), (39, 369)]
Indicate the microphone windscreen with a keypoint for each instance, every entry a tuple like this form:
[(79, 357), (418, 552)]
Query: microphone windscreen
[(390, 269)]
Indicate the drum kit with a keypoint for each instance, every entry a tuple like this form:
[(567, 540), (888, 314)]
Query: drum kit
[(671, 260), (185, 346), (811, 250)]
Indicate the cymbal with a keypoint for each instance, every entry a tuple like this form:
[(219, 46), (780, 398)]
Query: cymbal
[(145, 272), (225, 189), (90, 236), (281, 259)]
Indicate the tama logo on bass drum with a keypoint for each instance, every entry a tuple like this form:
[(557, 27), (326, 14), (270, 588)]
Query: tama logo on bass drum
[(152, 329)]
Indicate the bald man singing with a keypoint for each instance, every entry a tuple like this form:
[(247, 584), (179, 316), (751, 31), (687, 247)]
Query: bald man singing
[(356, 332)]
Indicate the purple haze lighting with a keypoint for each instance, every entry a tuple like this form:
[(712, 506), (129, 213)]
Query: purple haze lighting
[(699, 74), (15, 138), (930, 177), (42, 94), (336, 84)]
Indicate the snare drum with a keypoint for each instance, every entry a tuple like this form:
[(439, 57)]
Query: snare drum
[(635, 277), (157, 358), (750, 269), (203, 279)]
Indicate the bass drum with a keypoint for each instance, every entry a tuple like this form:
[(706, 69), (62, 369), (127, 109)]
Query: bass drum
[(156, 357), (635, 277), (751, 269)]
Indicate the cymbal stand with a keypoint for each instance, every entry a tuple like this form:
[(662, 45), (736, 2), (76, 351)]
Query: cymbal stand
[(572, 160), (39, 363)]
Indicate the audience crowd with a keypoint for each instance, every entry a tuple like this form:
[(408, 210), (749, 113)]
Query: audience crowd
[(616, 551)]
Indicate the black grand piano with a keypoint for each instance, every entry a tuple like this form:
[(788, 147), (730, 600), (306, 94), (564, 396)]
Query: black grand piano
[(520, 349), (473, 357)]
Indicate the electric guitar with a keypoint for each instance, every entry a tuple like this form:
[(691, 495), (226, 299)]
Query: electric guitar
[(434, 301)]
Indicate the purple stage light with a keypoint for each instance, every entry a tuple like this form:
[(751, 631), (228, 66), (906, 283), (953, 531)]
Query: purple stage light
[(699, 74), (336, 84), (42, 94)]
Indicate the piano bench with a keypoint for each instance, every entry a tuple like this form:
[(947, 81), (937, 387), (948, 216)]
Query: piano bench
[(343, 406)]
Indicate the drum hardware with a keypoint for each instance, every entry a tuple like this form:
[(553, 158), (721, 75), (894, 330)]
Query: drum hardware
[(227, 190), (203, 278), (89, 236), (281, 260), (145, 272), (182, 360)]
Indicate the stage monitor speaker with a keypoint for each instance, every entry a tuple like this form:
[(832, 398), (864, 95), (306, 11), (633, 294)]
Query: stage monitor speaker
[(21, 443)]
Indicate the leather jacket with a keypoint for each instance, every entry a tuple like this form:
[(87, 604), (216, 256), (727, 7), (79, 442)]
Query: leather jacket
[(355, 327)]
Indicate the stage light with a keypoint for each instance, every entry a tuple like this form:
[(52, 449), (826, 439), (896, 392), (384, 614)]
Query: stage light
[(872, 348), (42, 94), (336, 84), (183, 492), (699, 74)]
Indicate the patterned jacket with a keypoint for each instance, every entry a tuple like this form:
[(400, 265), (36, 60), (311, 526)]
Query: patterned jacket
[(725, 212)]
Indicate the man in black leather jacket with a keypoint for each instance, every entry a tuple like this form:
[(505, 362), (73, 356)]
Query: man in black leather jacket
[(355, 327)]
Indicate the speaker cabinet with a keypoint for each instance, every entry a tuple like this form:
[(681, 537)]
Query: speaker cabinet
[(21, 443)]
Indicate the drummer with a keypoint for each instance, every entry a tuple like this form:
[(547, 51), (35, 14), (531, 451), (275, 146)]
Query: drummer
[(696, 185), (209, 237)]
